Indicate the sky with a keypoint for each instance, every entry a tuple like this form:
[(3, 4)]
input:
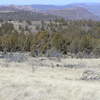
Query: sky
[(52, 2)]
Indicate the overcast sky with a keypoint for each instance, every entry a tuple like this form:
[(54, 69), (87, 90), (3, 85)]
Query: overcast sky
[(54, 2)]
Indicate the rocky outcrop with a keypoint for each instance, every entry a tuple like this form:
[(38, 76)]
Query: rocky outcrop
[(90, 75)]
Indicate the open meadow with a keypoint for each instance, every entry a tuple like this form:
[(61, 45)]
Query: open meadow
[(44, 78)]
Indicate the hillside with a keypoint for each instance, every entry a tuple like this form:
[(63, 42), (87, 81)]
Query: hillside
[(92, 7), (75, 13), (47, 12), (15, 8), (47, 7), (24, 15), (49, 52)]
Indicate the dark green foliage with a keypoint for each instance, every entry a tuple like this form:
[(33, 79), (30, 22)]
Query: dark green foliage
[(7, 28), (54, 38), (41, 42), (72, 36)]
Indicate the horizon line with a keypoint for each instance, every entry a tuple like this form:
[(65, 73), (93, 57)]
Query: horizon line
[(12, 4)]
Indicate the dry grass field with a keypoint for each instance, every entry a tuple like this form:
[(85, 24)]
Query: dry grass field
[(50, 79)]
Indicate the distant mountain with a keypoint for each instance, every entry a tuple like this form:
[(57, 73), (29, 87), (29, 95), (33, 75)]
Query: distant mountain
[(13, 12), (92, 10), (47, 7), (92, 7), (16, 8), (75, 13), (25, 15)]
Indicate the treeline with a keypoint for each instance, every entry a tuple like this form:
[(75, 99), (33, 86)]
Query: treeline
[(54, 38), (14, 40)]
